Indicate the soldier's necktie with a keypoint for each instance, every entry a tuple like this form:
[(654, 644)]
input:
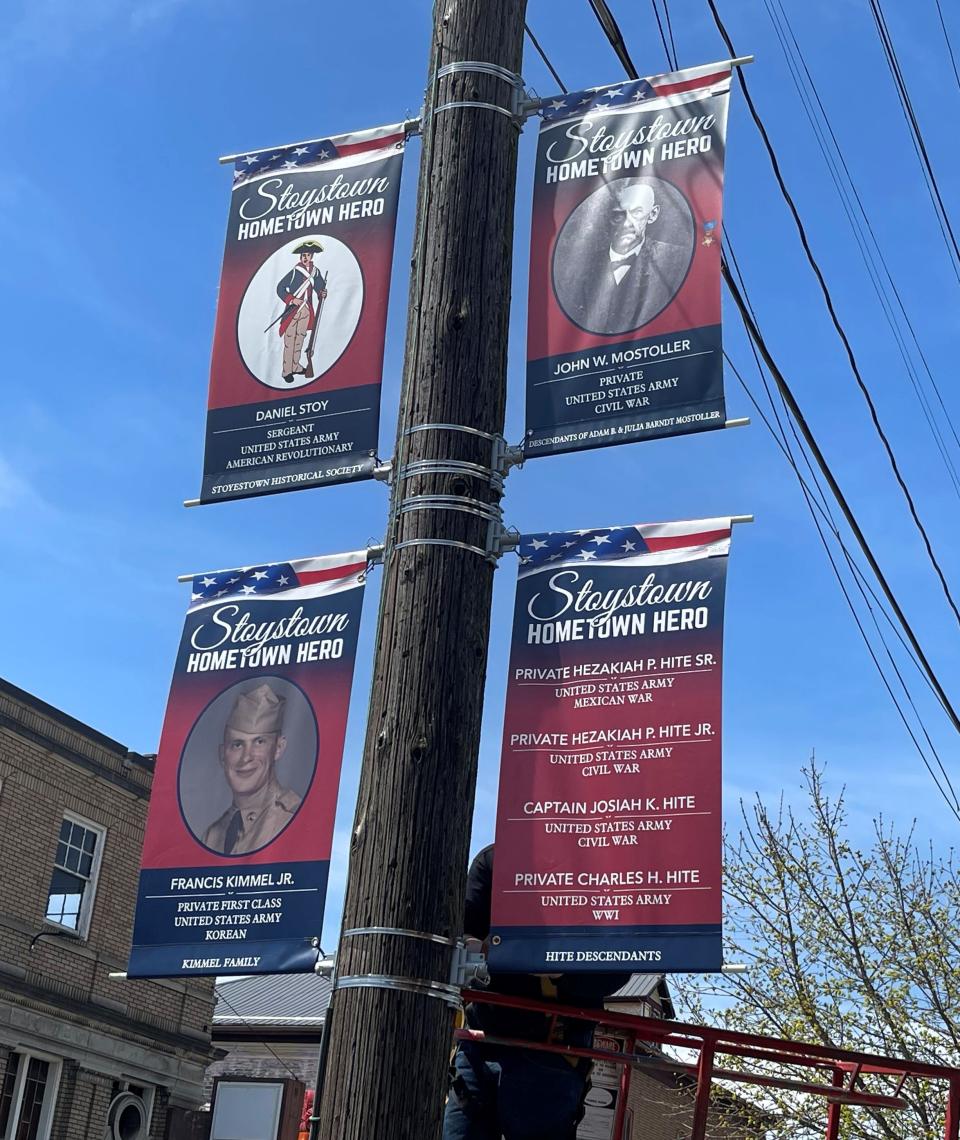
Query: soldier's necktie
[(234, 827)]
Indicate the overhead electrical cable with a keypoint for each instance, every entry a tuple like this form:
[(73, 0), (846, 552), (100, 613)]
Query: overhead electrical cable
[(824, 118), (951, 799), (915, 650), (543, 55), (861, 230), (837, 493), (612, 31), (893, 65), (835, 320), (819, 496), (817, 504), (673, 44), (946, 36)]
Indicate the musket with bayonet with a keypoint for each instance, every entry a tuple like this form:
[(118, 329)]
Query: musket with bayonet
[(308, 371)]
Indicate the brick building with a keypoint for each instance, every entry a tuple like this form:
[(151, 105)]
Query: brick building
[(83, 1056)]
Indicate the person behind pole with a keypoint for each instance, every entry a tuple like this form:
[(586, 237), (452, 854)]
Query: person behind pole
[(253, 743), (510, 1092), (302, 290)]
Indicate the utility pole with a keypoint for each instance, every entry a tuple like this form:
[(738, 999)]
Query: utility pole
[(389, 1033)]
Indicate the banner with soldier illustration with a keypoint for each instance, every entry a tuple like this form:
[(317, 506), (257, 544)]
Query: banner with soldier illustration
[(623, 334), (608, 842), (238, 837), (298, 343)]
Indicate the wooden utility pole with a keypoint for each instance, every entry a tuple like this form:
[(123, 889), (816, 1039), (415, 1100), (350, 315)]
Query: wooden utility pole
[(389, 1044)]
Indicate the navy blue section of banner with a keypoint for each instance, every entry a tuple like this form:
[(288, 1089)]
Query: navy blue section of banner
[(280, 445), (213, 920), (620, 393), (639, 949)]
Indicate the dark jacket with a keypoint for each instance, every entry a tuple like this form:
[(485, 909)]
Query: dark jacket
[(581, 989)]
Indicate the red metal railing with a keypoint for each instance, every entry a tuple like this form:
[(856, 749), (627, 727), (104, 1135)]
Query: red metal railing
[(844, 1066)]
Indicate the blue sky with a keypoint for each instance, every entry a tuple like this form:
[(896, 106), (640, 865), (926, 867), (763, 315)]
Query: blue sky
[(112, 214)]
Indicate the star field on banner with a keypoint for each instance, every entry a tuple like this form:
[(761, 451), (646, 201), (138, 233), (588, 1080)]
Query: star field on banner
[(609, 817), (298, 344), (623, 334), (240, 825)]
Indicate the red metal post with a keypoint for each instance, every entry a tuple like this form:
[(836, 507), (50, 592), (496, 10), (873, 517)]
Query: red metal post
[(951, 1128), (833, 1108), (702, 1104), (629, 1046)]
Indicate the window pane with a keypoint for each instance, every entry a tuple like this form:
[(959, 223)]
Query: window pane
[(6, 1092), (89, 840), (65, 829), (86, 864), (64, 898), (61, 854), (31, 1106), (72, 858)]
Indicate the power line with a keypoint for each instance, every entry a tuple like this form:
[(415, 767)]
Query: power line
[(673, 44), (543, 55), (799, 418), (933, 188), (838, 152), (611, 30), (796, 416), (814, 507), (838, 326), (863, 232), (669, 48), (946, 36), (236, 1013)]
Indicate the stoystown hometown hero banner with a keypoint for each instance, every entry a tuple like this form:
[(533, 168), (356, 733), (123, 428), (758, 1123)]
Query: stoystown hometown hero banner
[(623, 336), (240, 825), (298, 345), (609, 817)]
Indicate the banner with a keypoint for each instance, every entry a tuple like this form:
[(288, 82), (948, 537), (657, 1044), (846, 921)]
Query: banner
[(623, 336), (298, 345), (608, 848), (244, 796)]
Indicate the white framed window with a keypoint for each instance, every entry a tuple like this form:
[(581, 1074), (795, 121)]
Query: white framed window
[(73, 883), (28, 1096)]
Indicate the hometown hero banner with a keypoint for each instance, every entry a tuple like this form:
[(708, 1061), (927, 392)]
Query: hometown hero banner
[(623, 336), (301, 317), (240, 826), (609, 816)]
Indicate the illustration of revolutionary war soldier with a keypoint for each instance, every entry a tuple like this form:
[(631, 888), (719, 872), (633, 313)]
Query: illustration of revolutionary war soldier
[(303, 291), (253, 743)]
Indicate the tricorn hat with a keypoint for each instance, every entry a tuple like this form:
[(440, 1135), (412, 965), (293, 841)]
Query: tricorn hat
[(309, 246), (259, 711)]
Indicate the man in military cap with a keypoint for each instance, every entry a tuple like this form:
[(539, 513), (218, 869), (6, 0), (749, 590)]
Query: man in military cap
[(253, 742), (303, 290)]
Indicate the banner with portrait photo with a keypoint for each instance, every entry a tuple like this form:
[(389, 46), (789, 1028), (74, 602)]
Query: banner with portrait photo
[(240, 825), (608, 841), (301, 317), (623, 333)]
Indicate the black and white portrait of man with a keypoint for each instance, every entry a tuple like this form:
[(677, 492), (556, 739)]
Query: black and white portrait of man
[(623, 254)]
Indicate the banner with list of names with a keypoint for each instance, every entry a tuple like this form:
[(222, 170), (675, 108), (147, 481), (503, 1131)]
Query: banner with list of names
[(608, 833)]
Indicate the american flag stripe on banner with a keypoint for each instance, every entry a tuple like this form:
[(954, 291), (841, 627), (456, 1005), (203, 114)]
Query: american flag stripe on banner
[(338, 150), (635, 545), (712, 78), (281, 581)]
